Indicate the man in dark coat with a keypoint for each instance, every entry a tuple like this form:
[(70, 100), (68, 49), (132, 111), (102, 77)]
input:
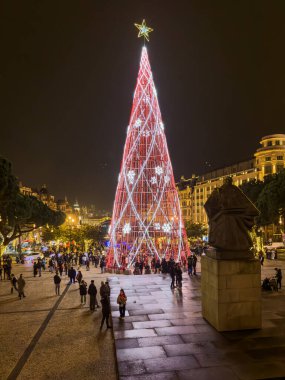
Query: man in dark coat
[(105, 311), (172, 275), (92, 291), (57, 280), (194, 264), (72, 275)]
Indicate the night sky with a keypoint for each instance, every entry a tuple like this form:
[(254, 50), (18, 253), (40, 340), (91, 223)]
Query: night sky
[(68, 71)]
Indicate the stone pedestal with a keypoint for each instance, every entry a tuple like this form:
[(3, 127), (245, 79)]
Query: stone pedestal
[(231, 293)]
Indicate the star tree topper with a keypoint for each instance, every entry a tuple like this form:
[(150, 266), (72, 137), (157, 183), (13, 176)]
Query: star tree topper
[(143, 30)]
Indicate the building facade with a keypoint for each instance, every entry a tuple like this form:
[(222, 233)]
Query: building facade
[(193, 192), (43, 195)]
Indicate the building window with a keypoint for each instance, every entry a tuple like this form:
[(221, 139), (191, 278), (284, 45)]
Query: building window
[(277, 142), (268, 169), (257, 162), (269, 143), (279, 157), (267, 158), (279, 168)]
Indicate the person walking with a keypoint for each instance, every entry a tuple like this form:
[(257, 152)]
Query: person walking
[(108, 289), (92, 291), (60, 268), (83, 292), (72, 275), (122, 300), (194, 264), (35, 268), (57, 280), (13, 281), (102, 264), (105, 311), (103, 290), (21, 286), (172, 275), (39, 266), (79, 277), (190, 265)]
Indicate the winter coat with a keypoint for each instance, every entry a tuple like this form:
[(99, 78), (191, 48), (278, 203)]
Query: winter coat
[(21, 284), (83, 289), (56, 279), (72, 273), (105, 305), (121, 300), (79, 277), (92, 290)]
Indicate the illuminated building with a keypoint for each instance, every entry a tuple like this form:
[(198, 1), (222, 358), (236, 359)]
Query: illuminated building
[(43, 195), (270, 158), (194, 192)]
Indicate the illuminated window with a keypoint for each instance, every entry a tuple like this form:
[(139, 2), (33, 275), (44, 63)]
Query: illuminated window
[(267, 158), (269, 143)]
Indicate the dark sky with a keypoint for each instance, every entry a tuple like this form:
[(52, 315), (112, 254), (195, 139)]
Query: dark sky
[(68, 72)]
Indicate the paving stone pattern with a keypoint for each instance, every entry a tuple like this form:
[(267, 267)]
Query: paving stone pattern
[(164, 336), (68, 345)]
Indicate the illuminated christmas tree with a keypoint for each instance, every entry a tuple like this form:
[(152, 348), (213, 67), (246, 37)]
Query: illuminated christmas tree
[(146, 217)]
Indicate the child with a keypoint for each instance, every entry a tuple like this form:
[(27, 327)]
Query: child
[(122, 300)]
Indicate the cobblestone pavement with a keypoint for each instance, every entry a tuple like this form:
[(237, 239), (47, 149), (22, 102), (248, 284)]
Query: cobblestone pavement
[(163, 335), (48, 337), (44, 336)]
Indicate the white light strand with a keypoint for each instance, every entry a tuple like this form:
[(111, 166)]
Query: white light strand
[(131, 176), (156, 226), (166, 227), (127, 228), (158, 170), (138, 123)]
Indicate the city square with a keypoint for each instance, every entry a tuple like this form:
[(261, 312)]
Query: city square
[(155, 329), (155, 250)]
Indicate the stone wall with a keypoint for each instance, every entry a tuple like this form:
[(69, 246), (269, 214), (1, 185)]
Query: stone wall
[(231, 293)]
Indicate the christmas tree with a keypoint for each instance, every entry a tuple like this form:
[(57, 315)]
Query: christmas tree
[(146, 219)]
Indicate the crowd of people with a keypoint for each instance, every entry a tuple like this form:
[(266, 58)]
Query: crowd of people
[(63, 261), (5, 267), (69, 265), (143, 265)]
